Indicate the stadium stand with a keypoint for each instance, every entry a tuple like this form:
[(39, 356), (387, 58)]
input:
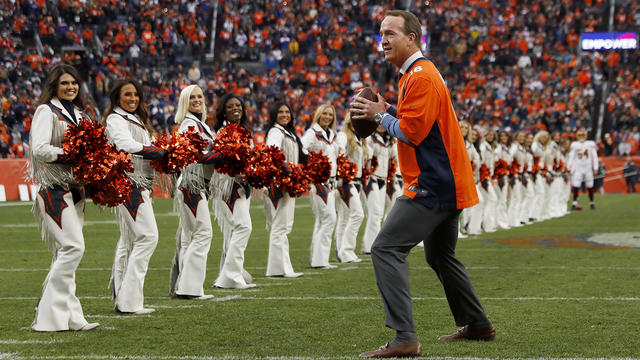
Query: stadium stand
[(509, 64)]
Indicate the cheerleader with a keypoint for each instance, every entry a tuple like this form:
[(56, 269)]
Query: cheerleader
[(193, 238), (321, 137), (552, 158), (516, 189), (502, 190), (487, 188), (464, 215), (394, 181), (129, 129), (565, 147), (474, 224), (539, 150), (528, 182), (558, 206), (59, 205), (350, 213), (279, 207), (232, 200), (380, 144)]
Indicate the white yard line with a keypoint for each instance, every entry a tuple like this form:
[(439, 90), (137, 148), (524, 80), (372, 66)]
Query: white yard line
[(147, 357), (28, 342), (21, 203), (369, 266), (121, 317), (174, 306)]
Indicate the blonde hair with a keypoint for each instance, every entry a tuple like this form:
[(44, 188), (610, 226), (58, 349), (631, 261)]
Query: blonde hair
[(352, 142), (183, 104), (465, 122), (319, 112), (540, 134)]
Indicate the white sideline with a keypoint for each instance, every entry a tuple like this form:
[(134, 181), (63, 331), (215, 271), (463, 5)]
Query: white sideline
[(147, 357), (122, 317), (173, 306), (355, 298), (24, 342), (367, 265)]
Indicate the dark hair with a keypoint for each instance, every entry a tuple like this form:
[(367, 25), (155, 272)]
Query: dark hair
[(411, 24), (114, 100), (50, 86), (273, 115), (508, 137), (220, 113)]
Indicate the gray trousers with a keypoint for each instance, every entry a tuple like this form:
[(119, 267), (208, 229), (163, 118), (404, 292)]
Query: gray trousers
[(407, 224)]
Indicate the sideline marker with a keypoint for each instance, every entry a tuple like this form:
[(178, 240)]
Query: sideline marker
[(24, 192)]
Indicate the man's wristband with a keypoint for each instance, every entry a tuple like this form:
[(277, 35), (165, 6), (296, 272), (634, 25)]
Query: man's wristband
[(379, 116)]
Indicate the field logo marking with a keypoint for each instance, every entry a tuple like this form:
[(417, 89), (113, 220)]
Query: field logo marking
[(602, 241)]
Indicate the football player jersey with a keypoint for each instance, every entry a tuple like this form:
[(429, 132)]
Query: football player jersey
[(437, 161), (583, 155)]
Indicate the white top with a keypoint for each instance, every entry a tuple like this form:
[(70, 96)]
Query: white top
[(191, 121), (551, 154), (317, 140), (47, 132), (41, 134), (487, 155), (355, 155), (128, 133), (192, 175), (474, 157), (284, 140), (119, 124), (538, 150), (518, 152), (502, 152), (583, 155), (383, 151)]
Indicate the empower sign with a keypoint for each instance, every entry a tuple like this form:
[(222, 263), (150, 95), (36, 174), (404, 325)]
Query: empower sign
[(609, 41)]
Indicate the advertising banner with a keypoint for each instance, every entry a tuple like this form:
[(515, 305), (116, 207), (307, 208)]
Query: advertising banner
[(609, 41)]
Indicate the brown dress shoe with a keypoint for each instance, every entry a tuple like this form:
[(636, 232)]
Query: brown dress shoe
[(486, 334), (402, 351)]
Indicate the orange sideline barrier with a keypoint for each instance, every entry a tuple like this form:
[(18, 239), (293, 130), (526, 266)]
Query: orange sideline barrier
[(614, 181), (13, 171)]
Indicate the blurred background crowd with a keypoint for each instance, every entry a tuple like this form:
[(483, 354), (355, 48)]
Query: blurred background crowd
[(509, 64)]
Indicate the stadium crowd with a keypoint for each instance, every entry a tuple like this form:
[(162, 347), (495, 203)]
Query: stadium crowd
[(510, 65)]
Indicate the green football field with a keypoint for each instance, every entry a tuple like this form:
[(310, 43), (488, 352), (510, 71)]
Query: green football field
[(563, 288)]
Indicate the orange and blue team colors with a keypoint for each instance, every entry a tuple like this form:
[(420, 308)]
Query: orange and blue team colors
[(438, 161)]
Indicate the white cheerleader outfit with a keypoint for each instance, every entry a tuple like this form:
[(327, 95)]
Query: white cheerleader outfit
[(193, 237), (487, 189), (375, 189), (516, 189), (59, 211), (323, 196), (231, 204), (540, 181), (394, 186), (137, 222), (350, 212), (280, 208), (502, 187), (529, 189), (472, 217)]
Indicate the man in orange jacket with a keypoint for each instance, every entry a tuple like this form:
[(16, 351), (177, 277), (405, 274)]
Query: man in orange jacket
[(438, 184)]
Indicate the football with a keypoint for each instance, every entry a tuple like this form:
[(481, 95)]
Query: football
[(365, 127)]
